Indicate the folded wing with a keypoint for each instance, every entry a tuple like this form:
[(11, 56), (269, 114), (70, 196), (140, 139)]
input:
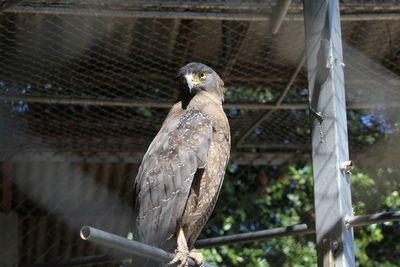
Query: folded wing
[(165, 176)]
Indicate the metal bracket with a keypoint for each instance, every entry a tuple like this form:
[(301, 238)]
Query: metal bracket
[(318, 115), (347, 166)]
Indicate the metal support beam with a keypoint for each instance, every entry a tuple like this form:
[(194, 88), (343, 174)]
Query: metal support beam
[(300, 229), (332, 196), (282, 8), (144, 14), (372, 219), (241, 158), (184, 15), (83, 261), (129, 246), (163, 104), (215, 5)]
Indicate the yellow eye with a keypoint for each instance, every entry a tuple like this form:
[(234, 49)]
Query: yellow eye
[(202, 75)]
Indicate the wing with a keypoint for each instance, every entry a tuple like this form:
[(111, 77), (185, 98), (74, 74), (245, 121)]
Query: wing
[(166, 174)]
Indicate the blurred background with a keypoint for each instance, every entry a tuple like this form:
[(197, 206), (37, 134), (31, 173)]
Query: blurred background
[(85, 86)]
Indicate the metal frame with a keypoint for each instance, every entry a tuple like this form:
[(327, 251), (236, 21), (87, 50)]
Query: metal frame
[(163, 104), (332, 196), (241, 158), (282, 8), (363, 220), (186, 15), (129, 247), (213, 5), (333, 207)]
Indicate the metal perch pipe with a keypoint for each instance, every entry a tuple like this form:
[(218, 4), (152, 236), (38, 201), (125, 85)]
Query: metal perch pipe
[(114, 241), (372, 219), (134, 247), (137, 248), (103, 258), (299, 229)]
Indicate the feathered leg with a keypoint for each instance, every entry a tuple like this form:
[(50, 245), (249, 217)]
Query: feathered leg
[(182, 252)]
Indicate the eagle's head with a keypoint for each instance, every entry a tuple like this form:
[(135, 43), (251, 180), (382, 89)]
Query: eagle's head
[(196, 77)]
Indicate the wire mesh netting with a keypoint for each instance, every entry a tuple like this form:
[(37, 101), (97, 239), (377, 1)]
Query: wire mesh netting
[(85, 86)]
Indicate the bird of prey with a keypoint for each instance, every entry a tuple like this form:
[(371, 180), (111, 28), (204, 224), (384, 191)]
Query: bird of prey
[(181, 174)]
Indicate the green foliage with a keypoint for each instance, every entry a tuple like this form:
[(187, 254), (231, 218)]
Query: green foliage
[(262, 198), (377, 244), (367, 127), (254, 199)]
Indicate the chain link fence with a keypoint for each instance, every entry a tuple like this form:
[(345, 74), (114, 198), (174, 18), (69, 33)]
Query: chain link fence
[(85, 86)]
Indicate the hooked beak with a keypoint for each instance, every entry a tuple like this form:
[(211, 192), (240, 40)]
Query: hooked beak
[(192, 81)]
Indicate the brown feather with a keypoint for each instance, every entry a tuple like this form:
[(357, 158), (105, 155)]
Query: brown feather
[(183, 169), (205, 189)]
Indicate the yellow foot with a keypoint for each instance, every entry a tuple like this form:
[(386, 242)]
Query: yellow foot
[(180, 256), (182, 252), (197, 257)]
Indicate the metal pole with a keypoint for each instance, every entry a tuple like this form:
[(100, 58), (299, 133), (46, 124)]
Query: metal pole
[(282, 9), (183, 15), (128, 103), (103, 258), (110, 240), (84, 101), (214, 5), (129, 246), (144, 14), (332, 196), (241, 158), (372, 218), (159, 104), (300, 229)]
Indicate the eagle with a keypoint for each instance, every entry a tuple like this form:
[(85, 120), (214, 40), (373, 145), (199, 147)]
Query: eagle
[(181, 175)]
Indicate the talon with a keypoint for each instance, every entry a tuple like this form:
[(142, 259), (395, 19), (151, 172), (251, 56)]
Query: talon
[(180, 256), (197, 257), (182, 252)]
